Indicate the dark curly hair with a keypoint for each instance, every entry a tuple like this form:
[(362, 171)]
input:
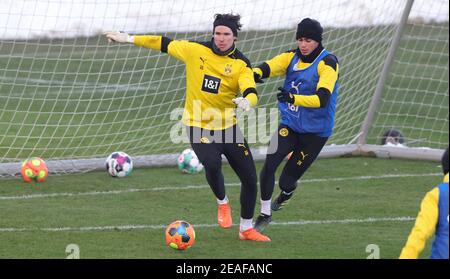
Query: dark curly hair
[(231, 17), (230, 20)]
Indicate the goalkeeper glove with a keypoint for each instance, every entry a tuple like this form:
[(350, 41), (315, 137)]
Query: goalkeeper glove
[(285, 96), (119, 37), (242, 103)]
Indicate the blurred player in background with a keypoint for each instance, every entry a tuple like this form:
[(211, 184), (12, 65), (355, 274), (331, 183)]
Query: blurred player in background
[(215, 72), (307, 103), (432, 219)]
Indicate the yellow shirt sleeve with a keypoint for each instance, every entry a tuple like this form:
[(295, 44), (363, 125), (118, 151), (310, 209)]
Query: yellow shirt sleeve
[(252, 99), (177, 49), (246, 79), (279, 64), (327, 76), (311, 101), (148, 41), (247, 82), (424, 226)]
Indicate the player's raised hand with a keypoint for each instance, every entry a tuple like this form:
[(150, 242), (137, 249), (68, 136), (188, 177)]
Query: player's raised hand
[(119, 37)]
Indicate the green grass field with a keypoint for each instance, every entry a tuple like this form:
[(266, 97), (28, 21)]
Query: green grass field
[(342, 206)]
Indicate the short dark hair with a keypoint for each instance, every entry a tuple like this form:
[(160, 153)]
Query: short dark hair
[(229, 20), (444, 161)]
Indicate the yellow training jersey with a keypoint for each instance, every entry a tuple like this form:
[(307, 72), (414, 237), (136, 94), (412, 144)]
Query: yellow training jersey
[(212, 81)]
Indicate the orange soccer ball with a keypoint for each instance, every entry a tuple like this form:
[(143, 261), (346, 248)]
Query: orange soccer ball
[(34, 169), (180, 235)]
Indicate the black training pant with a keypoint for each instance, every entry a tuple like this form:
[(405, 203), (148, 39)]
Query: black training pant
[(305, 147)]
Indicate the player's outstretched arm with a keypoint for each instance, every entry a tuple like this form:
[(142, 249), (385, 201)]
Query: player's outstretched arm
[(177, 49)]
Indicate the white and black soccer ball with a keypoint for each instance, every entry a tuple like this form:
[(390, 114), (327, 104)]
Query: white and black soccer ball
[(188, 162), (119, 164)]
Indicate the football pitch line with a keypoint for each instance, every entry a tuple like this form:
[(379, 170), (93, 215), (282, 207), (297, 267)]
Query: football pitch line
[(163, 226), (190, 187)]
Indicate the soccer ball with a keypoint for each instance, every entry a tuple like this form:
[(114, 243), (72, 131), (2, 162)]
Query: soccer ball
[(119, 164), (34, 169), (180, 235), (188, 162)]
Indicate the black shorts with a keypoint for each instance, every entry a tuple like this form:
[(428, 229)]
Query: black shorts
[(209, 146)]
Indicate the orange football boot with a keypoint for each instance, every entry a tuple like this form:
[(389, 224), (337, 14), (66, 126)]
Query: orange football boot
[(252, 234), (224, 216)]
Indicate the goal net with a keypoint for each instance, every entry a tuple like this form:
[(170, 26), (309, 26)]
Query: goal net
[(68, 96)]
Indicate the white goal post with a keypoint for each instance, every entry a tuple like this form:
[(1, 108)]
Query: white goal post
[(68, 96)]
